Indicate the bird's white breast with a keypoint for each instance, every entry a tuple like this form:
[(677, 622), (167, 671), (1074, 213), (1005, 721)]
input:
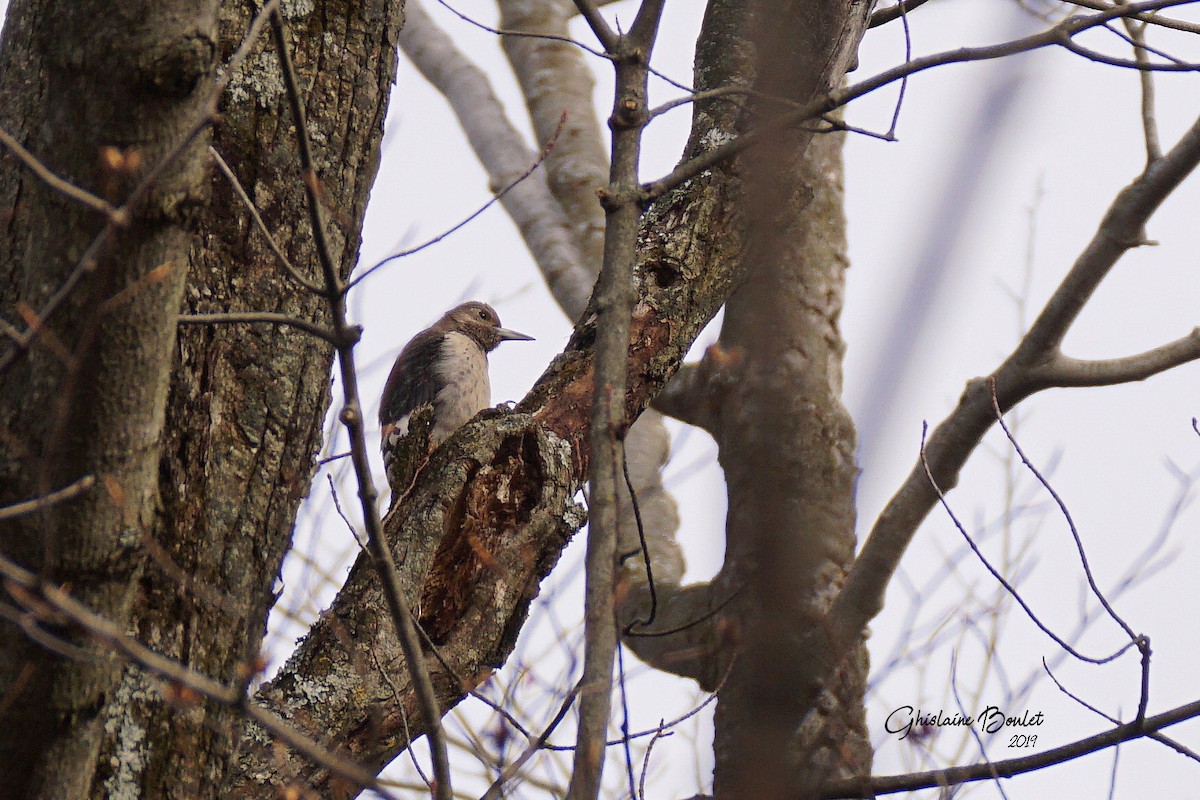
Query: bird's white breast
[(466, 390)]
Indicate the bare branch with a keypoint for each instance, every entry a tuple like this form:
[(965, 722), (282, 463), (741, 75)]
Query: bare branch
[(1059, 35), (1141, 63), (615, 296), (607, 36), (51, 498), (694, 394), (953, 776), (1066, 371), (351, 415), (268, 317), (182, 679), (1149, 19), (893, 12), (1008, 587), (287, 265), (65, 187), (957, 436), (119, 217)]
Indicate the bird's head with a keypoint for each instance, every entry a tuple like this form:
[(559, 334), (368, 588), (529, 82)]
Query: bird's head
[(481, 323)]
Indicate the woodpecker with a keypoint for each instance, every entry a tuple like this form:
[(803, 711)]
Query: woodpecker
[(445, 365)]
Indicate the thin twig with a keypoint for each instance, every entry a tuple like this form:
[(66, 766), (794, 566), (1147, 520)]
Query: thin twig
[(644, 548), (1149, 19), (896, 11), (659, 733), (184, 683), (891, 133), (120, 217), (549, 146), (495, 790), (625, 740), (352, 417), (61, 185), (1059, 35), (1141, 641), (1066, 513), (522, 34), (240, 191), (996, 573), (1161, 738), (71, 490), (267, 317)]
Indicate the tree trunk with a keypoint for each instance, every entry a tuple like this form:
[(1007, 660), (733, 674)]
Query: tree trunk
[(99, 94), (184, 542), (246, 403)]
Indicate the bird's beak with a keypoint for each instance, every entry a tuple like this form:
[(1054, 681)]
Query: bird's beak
[(505, 335)]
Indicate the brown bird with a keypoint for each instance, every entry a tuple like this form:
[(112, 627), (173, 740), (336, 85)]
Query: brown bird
[(445, 365)]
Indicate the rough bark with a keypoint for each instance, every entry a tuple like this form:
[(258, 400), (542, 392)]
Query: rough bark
[(98, 94), (245, 402), (243, 418), (555, 79), (424, 528)]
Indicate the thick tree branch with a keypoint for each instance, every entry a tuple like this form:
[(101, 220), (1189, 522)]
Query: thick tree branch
[(555, 79), (694, 394), (1066, 371), (1030, 368), (504, 154), (472, 606)]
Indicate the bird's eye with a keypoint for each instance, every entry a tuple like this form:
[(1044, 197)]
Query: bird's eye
[(483, 314)]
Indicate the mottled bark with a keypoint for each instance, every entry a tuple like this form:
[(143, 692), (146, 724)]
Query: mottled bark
[(98, 94), (245, 402), (452, 571), (555, 79)]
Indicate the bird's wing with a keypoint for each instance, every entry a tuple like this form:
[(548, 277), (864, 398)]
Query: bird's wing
[(413, 381)]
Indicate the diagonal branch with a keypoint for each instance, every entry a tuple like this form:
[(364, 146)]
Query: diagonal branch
[(953, 776), (1029, 369), (503, 153), (1059, 35)]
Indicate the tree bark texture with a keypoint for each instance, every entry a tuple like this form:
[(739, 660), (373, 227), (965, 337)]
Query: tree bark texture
[(786, 442), (213, 485), (98, 94), (212, 493)]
